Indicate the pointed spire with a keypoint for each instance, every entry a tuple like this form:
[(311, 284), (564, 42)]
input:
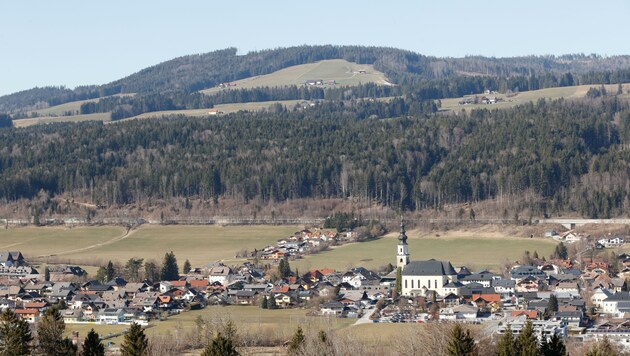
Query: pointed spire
[(403, 236)]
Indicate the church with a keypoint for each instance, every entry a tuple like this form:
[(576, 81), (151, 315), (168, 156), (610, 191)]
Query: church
[(419, 277)]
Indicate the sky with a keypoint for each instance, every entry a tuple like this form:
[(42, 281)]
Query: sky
[(71, 42)]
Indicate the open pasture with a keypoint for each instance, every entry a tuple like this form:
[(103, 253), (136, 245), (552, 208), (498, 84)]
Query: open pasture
[(474, 250), (339, 70), (572, 92), (199, 244)]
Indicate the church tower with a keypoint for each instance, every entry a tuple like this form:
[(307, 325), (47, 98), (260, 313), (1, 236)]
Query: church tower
[(402, 256)]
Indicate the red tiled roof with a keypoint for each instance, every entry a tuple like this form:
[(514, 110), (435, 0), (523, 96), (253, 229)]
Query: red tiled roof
[(27, 311), (178, 283), (531, 314), (281, 289), (199, 283), (487, 297)]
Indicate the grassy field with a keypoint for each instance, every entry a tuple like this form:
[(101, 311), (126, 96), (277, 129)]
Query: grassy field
[(203, 244), (51, 119), (474, 250), (280, 323), (38, 241), (199, 244), (225, 108), (339, 70), (534, 95)]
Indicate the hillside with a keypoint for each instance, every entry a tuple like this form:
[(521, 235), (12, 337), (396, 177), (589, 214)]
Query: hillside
[(431, 77), (331, 72)]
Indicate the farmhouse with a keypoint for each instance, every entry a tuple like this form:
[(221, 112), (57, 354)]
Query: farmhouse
[(420, 277)]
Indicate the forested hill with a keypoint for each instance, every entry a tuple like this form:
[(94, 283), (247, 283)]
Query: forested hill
[(438, 77), (560, 156)]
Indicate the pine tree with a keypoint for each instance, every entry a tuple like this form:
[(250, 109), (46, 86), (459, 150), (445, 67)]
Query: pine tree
[(553, 347), (561, 251), (271, 304), (135, 342), (220, 346), (92, 345), (187, 266), (47, 274), (461, 343), (297, 341), (552, 306), (101, 274), (111, 272), (50, 335), (507, 343), (15, 334), (132, 269), (528, 342), (263, 303), (151, 271), (284, 268), (170, 271)]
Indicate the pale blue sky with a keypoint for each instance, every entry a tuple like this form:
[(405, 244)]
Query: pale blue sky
[(94, 42)]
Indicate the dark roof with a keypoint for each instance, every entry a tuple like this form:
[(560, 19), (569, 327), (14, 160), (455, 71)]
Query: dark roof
[(429, 268), (619, 296)]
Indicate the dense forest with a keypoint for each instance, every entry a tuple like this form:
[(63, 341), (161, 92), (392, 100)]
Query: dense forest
[(428, 77), (561, 155)]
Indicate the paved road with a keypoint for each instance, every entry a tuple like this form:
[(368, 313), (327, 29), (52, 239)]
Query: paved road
[(365, 319)]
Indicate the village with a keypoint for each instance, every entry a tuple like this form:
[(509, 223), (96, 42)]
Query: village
[(583, 299)]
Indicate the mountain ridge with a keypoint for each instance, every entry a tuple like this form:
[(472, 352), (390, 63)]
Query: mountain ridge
[(195, 72)]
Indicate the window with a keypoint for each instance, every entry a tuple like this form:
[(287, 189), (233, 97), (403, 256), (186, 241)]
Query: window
[(405, 283), (412, 284), (429, 284)]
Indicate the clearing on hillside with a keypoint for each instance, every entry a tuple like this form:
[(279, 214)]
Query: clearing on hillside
[(571, 92), (340, 71)]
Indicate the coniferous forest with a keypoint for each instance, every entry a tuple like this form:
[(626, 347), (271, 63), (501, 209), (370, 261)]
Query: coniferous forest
[(564, 155)]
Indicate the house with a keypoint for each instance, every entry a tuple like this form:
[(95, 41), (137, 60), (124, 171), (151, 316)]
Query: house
[(221, 274), (570, 237), (520, 272), (527, 284), (283, 300), (332, 308), (11, 259), (529, 314), (360, 276), (459, 313), (618, 304), (505, 287), (110, 316), (484, 278), (571, 288), (30, 315), (243, 297)]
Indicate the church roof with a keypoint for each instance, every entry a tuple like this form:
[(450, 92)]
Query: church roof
[(429, 268)]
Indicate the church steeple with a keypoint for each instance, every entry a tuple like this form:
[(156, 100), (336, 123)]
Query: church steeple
[(402, 256)]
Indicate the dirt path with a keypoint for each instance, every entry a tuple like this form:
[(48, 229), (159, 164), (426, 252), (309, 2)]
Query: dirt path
[(129, 232)]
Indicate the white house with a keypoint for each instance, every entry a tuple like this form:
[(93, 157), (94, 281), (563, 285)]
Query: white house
[(617, 304), (110, 316)]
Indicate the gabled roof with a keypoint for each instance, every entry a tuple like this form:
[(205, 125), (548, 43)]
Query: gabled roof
[(618, 297), (429, 268)]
